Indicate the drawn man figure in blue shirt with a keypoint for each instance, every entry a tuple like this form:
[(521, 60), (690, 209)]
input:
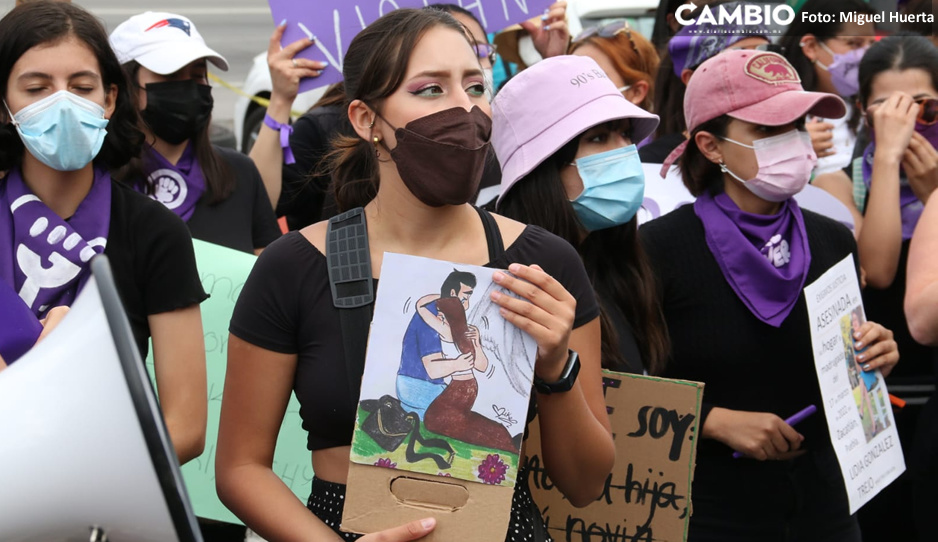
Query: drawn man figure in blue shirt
[(428, 353)]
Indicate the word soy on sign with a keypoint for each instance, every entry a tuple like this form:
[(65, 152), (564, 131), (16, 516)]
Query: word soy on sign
[(647, 496)]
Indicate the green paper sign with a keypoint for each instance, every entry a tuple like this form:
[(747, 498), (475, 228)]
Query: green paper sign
[(223, 272)]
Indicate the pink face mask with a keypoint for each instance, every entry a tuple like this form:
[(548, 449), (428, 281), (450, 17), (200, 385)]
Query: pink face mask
[(785, 165)]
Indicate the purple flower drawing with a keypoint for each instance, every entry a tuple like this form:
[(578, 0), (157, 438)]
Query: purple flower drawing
[(492, 470), (386, 463)]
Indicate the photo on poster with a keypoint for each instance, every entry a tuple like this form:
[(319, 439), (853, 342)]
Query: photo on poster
[(447, 379), (868, 393)]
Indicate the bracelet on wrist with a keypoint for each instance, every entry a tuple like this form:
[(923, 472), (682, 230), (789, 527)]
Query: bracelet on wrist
[(285, 130)]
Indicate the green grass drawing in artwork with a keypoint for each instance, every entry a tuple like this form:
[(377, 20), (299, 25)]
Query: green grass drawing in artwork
[(470, 462)]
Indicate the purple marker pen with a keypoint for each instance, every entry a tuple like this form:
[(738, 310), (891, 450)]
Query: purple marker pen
[(795, 418)]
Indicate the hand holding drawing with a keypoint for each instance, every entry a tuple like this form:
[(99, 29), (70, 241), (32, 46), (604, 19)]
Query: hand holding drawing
[(876, 348), (546, 313), (759, 435), (415, 530)]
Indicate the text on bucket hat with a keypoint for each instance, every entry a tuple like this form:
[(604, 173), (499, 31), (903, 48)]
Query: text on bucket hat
[(161, 42), (547, 105), (753, 86)]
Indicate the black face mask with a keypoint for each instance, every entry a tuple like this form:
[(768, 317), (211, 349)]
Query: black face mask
[(177, 110)]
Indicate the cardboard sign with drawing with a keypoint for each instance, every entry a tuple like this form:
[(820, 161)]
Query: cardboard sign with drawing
[(444, 398)]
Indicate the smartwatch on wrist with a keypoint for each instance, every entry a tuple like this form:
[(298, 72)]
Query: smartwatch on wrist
[(567, 378)]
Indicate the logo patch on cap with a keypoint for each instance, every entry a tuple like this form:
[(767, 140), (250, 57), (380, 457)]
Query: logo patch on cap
[(771, 68), (172, 23)]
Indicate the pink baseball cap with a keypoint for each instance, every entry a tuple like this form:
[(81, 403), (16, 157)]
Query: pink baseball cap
[(753, 86), (547, 105)]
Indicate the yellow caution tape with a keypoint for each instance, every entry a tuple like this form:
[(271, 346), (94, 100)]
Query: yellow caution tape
[(263, 102)]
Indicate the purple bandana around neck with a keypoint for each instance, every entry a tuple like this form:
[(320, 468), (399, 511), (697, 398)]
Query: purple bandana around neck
[(764, 258), (20, 329), (43, 257), (179, 187), (910, 207)]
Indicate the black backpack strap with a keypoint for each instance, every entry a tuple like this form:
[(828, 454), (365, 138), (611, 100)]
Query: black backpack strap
[(350, 279), (416, 438), (493, 236)]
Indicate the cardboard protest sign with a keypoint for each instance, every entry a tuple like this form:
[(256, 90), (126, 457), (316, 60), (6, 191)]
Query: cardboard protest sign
[(223, 272), (663, 195), (444, 398), (648, 494), (333, 24), (856, 403)]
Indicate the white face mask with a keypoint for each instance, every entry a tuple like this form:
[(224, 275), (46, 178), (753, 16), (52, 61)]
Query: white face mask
[(785, 165)]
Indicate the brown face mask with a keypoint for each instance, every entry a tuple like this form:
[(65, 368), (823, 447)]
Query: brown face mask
[(440, 157)]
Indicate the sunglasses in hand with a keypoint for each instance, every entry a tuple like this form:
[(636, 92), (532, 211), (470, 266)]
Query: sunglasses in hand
[(927, 112)]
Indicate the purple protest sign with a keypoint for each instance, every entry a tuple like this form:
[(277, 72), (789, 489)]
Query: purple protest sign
[(333, 24)]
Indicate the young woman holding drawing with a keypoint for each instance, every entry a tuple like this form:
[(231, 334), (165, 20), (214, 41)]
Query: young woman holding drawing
[(732, 268), (67, 121), (411, 79)]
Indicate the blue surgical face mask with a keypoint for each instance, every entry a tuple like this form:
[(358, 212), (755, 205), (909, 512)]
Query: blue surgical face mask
[(63, 131), (613, 188)]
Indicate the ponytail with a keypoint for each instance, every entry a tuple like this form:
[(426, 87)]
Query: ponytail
[(354, 170)]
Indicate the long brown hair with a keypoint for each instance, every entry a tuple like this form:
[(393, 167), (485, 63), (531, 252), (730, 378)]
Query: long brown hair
[(633, 56), (374, 68), (219, 180)]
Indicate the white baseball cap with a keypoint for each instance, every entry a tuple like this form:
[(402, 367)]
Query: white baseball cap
[(161, 42)]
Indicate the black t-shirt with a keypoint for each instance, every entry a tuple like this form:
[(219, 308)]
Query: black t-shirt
[(151, 257), (286, 306), (245, 220), (745, 363)]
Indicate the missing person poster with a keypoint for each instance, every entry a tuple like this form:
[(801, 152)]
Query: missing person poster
[(856, 402), (655, 423)]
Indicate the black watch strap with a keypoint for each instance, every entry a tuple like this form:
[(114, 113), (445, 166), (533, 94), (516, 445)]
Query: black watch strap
[(567, 378)]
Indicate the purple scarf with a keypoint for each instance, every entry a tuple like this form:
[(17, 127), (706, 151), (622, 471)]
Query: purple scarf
[(178, 186), (910, 208), (764, 258), (20, 329), (43, 257)]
